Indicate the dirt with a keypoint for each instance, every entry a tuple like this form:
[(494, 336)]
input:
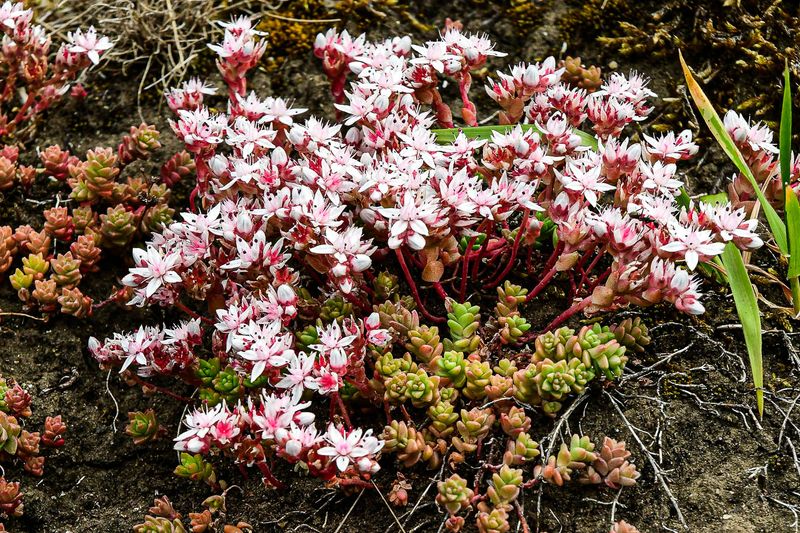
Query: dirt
[(726, 470)]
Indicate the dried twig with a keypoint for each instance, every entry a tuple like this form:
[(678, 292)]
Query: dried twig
[(341, 524), (659, 472)]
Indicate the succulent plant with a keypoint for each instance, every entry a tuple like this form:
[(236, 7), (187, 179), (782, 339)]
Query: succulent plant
[(35, 265), (632, 334), (577, 75), (142, 426), (495, 521), (453, 367), (335, 308), (98, 174), (578, 455), (479, 375), (117, 227), (424, 343), (9, 433), (515, 421), (46, 294), (509, 298), (443, 418), (504, 486), (473, 426), (421, 389), (85, 250), (157, 524), (463, 321), (10, 498), (454, 494), (196, 468), (58, 223), (611, 466), (623, 527), (177, 167), (16, 400), (521, 450), (385, 285), (405, 441), (54, 430), (66, 270), (513, 328), (399, 316), (56, 162), (138, 144)]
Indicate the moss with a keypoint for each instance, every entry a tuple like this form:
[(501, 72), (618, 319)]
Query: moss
[(726, 44)]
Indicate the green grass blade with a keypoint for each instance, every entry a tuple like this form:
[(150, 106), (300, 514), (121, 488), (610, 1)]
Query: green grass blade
[(747, 308), (717, 128), (485, 132), (786, 129), (793, 222)]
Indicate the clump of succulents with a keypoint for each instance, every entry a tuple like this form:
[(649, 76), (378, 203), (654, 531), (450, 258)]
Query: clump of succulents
[(110, 209), (17, 444), (456, 497), (163, 518)]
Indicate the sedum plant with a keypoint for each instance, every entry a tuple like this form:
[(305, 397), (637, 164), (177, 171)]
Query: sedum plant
[(303, 236), (17, 444)]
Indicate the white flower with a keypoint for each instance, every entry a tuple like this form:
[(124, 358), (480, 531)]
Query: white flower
[(693, 244), (89, 44), (347, 447), (154, 268)]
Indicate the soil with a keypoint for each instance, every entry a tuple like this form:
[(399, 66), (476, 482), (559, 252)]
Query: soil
[(725, 469)]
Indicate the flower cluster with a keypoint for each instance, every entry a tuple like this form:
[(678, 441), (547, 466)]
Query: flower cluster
[(30, 70), (110, 210), (17, 443), (755, 142), (289, 263)]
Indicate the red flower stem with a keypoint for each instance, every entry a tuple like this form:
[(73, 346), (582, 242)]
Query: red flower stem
[(521, 516), (600, 279), (24, 109), (573, 288), (577, 307), (464, 83), (158, 388), (514, 250), (115, 297), (465, 271), (591, 266), (337, 398), (481, 252), (542, 284), (440, 290), (180, 305), (269, 477), (554, 256), (388, 410), (364, 306), (414, 291), (582, 261)]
